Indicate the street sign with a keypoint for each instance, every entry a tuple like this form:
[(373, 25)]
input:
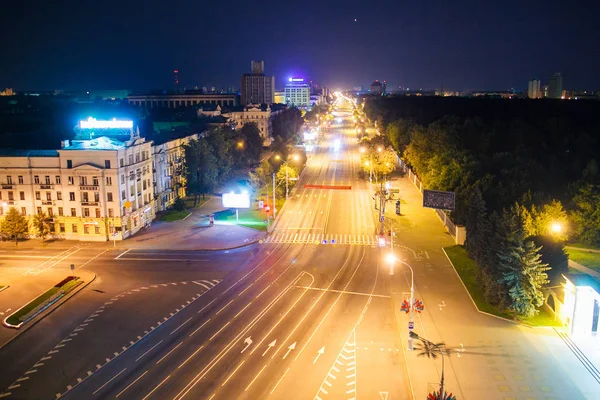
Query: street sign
[(127, 204), (324, 241), (332, 241), (382, 218), (72, 267), (438, 199), (411, 325)]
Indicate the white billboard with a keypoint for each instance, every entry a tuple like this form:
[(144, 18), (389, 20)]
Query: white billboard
[(93, 123), (236, 200)]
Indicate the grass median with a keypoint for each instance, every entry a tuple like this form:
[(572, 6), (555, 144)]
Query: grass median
[(586, 258), (467, 270), (38, 304), (173, 215)]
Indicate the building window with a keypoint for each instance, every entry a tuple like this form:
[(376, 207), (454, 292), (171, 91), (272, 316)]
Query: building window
[(20, 177), (108, 181), (57, 177), (97, 230), (21, 195), (23, 211), (71, 180), (110, 213), (58, 195), (86, 229), (122, 179), (69, 164), (72, 196), (109, 197), (86, 212), (74, 228), (137, 157), (130, 159), (73, 212), (47, 179), (9, 180), (97, 213), (122, 195), (62, 228), (38, 196), (107, 164), (11, 196), (36, 179), (95, 181), (48, 196), (121, 163), (50, 212), (39, 210), (96, 197), (60, 211), (84, 197), (83, 180)]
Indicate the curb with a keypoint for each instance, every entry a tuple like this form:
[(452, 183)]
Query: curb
[(234, 247), (473, 301), (48, 311)]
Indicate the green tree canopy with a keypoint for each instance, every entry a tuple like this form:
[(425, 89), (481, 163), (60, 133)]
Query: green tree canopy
[(14, 226), (41, 225)]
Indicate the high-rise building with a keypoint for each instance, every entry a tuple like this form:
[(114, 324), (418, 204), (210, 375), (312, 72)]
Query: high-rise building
[(297, 93), (257, 88), (555, 86), (378, 87), (533, 89)]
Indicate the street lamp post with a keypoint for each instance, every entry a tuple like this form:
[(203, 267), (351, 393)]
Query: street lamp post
[(391, 259), (430, 350)]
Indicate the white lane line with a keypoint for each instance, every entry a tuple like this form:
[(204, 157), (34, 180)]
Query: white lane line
[(201, 284), (148, 351), (257, 375), (247, 287), (199, 348), (23, 379), (234, 371), (225, 306), (131, 384), (31, 371), (219, 331), (122, 254), (172, 350), (180, 326), (160, 259), (247, 305), (5, 394), (111, 379), (345, 292), (279, 381), (153, 390), (197, 329), (203, 308)]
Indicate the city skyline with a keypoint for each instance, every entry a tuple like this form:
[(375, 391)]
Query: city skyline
[(461, 46)]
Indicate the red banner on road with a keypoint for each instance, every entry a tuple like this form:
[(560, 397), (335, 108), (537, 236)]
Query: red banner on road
[(334, 187)]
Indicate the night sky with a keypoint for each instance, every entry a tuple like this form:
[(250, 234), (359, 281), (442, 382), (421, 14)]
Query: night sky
[(126, 44)]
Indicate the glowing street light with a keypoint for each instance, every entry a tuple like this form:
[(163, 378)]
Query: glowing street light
[(380, 149), (240, 145), (556, 227)]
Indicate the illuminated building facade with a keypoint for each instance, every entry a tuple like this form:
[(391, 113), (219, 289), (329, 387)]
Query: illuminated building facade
[(256, 87), (297, 93)]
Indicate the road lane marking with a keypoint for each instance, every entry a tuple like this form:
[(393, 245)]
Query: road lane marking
[(219, 331), (111, 379), (180, 326), (234, 371), (197, 329), (149, 350), (122, 254), (257, 375), (247, 305), (203, 308), (279, 381), (199, 348), (131, 384), (153, 390), (225, 306), (172, 350)]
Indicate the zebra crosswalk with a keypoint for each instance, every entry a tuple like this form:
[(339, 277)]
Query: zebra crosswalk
[(320, 238)]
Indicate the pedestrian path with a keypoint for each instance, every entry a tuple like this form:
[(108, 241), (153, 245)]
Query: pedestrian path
[(320, 238)]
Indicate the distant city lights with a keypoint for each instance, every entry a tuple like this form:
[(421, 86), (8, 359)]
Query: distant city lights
[(93, 123)]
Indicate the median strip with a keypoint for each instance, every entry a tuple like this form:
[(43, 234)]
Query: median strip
[(42, 302)]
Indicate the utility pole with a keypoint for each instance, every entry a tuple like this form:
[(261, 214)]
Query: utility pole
[(274, 204), (286, 181), (382, 201), (268, 215)]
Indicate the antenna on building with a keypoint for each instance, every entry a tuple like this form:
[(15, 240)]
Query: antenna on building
[(176, 78)]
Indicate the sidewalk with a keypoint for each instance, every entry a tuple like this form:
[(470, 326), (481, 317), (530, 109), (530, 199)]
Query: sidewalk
[(491, 358), (193, 233)]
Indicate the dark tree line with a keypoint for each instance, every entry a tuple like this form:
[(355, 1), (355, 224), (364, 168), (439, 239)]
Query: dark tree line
[(524, 173)]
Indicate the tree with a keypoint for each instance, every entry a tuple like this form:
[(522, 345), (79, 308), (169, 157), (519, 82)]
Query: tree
[(200, 168), (222, 141), (252, 143), (478, 227), (522, 271), (14, 225), (292, 176), (397, 133), (586, 215), (41, 225)]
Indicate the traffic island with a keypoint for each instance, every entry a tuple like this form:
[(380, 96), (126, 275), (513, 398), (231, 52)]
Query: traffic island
[(41, 303)]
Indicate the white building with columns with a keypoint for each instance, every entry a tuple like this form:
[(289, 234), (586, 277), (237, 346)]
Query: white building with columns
[(254, 113)]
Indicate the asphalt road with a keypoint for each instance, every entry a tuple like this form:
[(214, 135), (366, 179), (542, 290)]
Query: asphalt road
[(282, 320)]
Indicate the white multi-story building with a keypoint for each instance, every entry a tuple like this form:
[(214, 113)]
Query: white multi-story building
[(253, 113), (167, 163), (94, 190), (297, 93)]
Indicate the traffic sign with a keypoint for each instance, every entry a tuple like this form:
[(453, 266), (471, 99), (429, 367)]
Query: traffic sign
[(332, 241), (72, 267), (411, 325), (324, 241), (382, 218)]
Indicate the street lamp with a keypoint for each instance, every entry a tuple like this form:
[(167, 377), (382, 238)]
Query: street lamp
[(391, 258), (432, 350), (556, 227)]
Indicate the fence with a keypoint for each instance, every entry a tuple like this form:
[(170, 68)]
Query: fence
[(458, 232)]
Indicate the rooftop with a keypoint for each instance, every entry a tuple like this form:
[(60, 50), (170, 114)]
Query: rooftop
[(101, 143), (27, 153)]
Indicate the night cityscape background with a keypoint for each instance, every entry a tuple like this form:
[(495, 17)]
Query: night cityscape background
[(274, 200)]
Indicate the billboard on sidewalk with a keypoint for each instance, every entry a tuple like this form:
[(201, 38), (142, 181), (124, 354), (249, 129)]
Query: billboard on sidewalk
[(236, 200), (439, 200)]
